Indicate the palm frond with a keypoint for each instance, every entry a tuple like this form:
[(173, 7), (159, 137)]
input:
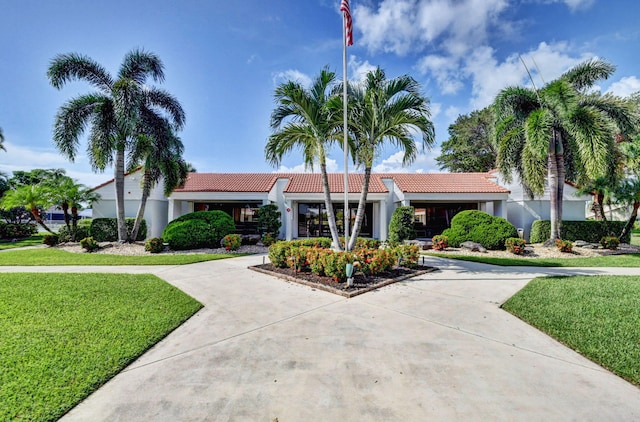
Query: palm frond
[(138, 65), (167, 103), (67, 67), (587, 73), (72, 119)]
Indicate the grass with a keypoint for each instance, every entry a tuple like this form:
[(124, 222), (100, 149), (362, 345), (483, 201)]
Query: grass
[(598, 316), (628, 260), (64, 335), (35, 240), (47, 256)]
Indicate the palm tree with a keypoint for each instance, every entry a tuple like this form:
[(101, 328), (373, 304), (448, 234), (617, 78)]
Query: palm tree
[(113, 112), (310, 127), (70, 195), (562, 130), (32, 197), (385, 110), (160, 152)]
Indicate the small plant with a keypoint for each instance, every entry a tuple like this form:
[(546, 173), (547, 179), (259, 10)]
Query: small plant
[(268, 239), (610, 242), (50, 239), (89, 244), (564, 245), (515, 245), (440, 242), (154, 245), (231, 242)]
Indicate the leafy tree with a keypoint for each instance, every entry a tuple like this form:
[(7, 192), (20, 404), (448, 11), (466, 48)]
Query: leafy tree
[(114, 113), (303, 119), (563, 130), (32, 197), (471, 145), (269, 219), (385, 111), (401, 225)]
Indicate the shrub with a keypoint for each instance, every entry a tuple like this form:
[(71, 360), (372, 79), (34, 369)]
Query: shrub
[(373, 261), (278, 254), (200, 229), (106, 229), (408, 255), (50, 239), (401, 225), (589, 231), (316, 242), (269, 219), (17, 230), (268, 239), (363, 242), (440, 242), (515, 245), (480, 227), (564, 245), (335, 264), (610, 242), (154, 245), (231, 242), (81, 232), (89, 244)]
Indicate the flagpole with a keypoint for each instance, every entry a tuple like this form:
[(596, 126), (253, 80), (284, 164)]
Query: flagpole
[(345, 143)]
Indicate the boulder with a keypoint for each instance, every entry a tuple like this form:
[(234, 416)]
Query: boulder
[(473, 246)]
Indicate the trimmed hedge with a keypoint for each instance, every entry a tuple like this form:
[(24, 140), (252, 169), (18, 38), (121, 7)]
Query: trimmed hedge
[(401, 225), (590, 231), (480, 227), (64, 235), (106, 229), (17, 231), (200, 229)]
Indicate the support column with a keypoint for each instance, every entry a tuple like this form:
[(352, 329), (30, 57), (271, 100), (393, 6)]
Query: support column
[(500, 208)]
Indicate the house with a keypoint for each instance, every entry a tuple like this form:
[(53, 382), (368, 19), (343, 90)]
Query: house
[(436, 198)]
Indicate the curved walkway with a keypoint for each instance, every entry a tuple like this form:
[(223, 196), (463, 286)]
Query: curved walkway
[(435, 347)]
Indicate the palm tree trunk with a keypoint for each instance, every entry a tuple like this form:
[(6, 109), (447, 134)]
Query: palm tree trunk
[(357, 225), (556, 175), (119, 186), (331, 217), (74, 224), (65, 210), (632, 219), (146, 187), (36, 215)]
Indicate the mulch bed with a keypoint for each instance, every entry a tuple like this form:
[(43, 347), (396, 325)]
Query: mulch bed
[(361, 283)]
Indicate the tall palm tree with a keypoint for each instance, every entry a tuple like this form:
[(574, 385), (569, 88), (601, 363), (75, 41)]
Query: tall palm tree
[(32, 197), (384, 111), (112, 112), (310, 127), (561, 132), (160, 152)]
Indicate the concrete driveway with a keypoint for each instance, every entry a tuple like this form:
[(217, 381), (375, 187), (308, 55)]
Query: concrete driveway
[(436, 347)]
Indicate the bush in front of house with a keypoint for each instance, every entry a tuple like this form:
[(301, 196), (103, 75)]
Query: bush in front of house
[(200, 229), (590, 230), (610, 242), (268, 239), (154, 245), (440, 242), (231, 242), (564, 245), (89, 244), (480, 227), (401, 225), (64, 234), (269, 219), (50, 239), (106, 229), (17, 230), (515, 245)]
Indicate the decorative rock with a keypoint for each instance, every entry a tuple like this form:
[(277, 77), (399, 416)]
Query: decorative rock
[(580, 243), (473, 246)]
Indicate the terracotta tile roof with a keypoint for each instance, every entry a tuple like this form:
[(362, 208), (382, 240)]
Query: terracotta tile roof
[(445, 183), (312, 183), (230, 182)]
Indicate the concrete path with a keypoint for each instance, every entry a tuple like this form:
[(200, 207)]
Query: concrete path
[(436, 347)]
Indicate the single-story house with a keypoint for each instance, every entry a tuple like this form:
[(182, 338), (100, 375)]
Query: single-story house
[(436, 198)]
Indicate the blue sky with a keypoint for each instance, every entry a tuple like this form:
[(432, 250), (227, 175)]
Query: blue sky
[(223, 60)]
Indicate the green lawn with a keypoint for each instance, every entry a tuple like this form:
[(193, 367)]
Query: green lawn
[(48, 256), (64, 335), (35, 240), (632, 260), (598, 316)]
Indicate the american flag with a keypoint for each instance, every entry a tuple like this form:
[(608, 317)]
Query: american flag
[(344, 7)]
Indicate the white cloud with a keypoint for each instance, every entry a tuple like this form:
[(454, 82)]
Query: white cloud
[(624, 87), (452, 113), (25, 159), (358, 69), (291, 75), (401, 26), (573, 5), (332, 167), (436, 108), (424, 163)]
